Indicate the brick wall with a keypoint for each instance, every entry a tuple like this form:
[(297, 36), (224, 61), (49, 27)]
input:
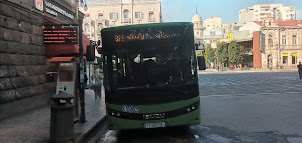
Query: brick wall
[(257, 59), (22, 57)]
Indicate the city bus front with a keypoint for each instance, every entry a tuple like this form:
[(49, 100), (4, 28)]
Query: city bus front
[(151, 82)]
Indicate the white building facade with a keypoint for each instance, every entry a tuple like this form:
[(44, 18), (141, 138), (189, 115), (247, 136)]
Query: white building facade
[(260, 12), (109, 13)]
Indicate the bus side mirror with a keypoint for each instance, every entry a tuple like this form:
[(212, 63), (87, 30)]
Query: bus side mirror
[(90, 53), (98, 43)]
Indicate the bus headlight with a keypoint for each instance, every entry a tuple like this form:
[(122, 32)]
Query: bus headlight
[(188, 109), (193, 107)]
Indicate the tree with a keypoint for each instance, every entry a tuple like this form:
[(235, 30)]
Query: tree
[(209, 54), (222, 52), (235, 53)]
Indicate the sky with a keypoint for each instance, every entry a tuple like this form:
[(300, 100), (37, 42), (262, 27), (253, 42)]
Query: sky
[(228, 10)]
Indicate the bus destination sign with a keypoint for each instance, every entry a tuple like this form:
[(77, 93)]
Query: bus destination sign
[(64, 35)]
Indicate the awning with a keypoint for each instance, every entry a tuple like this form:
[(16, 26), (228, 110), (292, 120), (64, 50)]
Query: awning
[(86, 14), (294, 54), (247, 54), (150, 12), (62, 59), (53, 50), (100, 14), (285, 54)]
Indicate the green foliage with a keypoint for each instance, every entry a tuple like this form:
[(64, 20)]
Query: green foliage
[(235, 52), (209, 53), (222, 52)]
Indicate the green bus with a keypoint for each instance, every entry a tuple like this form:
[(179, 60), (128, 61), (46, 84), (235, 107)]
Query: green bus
[(150, 76)]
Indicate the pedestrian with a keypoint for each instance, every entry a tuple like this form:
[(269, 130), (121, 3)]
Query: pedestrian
[(85, 80), (300, 70), (96, 84)]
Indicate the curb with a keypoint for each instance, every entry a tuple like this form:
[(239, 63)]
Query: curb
[(244, 71), (83, 136)]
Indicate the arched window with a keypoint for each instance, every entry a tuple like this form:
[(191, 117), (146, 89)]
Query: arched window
[(100, 15), (196, 24), (270, 40), (126, 13)]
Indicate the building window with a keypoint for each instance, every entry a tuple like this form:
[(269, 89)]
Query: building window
[(87, 28), (138, 15), (100, 15), (126, 13), (151, 15), (196, 24), (283, 39), (256, 11), (294, 39), (113, 16), (285, 58), (256, 15), (270, 40), (294, 58)]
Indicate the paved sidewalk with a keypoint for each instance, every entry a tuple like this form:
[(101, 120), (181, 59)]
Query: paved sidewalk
[(214, 71), (34, 126)]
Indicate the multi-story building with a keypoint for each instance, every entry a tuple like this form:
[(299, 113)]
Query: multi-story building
[(210, 31), (110, 13), (212, 23), (260, 12), (283, 43), (24, 55), (212, 36)]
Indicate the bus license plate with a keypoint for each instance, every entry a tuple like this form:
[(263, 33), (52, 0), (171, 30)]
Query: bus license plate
[(155, 125)]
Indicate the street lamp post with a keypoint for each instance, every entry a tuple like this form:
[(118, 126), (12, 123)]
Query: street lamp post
[(81, 68)]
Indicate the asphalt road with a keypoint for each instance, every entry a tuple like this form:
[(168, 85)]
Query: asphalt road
[(239, 107)]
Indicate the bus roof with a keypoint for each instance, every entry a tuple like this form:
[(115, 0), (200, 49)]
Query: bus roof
[(149, 25)]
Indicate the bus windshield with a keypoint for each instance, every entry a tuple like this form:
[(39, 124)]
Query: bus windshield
[(149, 63), (153, 57)]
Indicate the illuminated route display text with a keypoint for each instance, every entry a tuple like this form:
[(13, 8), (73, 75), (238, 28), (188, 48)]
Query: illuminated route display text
[(123, 38), (61, 36)]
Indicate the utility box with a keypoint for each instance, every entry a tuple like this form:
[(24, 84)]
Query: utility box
[(61, 119), (68, 79)]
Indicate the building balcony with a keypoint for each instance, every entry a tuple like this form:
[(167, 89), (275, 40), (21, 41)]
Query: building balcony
[(151, 19), (127, 20), (87, 20), (100, 20)]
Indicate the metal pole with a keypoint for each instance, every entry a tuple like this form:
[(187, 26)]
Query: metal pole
[(81, 88), (278, 49), (270, 58)]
